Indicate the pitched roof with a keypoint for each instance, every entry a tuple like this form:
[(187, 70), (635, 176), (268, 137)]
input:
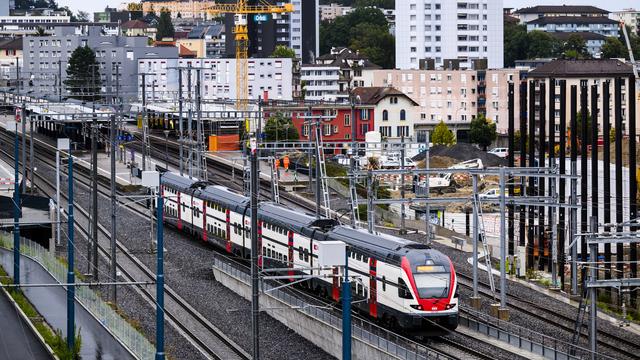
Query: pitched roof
[(561, 9), (583, 34), (373, 95), (11, 43), (134, 24), (572, 20), (185, 52), (340, 56), (582, 68)]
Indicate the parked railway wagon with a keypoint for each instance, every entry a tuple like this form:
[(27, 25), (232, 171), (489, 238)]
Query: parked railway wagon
[(401, 283)]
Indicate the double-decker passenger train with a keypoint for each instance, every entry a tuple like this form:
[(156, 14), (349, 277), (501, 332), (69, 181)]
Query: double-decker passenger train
[(401, 283)]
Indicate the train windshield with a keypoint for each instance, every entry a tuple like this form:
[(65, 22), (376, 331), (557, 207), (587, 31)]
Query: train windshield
[(432, 285)]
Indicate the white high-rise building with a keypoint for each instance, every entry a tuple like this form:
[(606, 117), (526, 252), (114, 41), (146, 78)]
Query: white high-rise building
[(444, 30)]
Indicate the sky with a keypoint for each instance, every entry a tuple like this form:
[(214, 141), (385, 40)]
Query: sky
[(97, 5)]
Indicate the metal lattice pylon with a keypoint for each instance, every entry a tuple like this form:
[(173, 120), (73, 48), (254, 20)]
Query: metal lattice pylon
[(482, 234)]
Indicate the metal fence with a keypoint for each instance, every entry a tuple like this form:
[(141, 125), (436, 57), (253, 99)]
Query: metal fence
[(524, 338), (108, 317), (369, 333)]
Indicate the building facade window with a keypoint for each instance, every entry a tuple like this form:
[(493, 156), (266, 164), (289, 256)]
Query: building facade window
[(385, 115), (403, 115)]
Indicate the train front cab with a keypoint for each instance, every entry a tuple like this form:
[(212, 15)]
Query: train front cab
[(430, 295)]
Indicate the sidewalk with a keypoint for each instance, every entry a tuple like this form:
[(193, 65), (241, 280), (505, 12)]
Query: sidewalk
[(18, 340), (51, 302)]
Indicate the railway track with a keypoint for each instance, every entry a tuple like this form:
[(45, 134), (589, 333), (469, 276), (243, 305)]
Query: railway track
[(208, 339), (461, 349), (565, 323)]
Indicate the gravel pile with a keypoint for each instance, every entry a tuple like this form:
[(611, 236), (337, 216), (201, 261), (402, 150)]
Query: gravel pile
[(463, 152), (188, 271)]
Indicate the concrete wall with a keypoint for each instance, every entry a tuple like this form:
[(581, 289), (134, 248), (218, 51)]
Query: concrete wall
[(321, 334)]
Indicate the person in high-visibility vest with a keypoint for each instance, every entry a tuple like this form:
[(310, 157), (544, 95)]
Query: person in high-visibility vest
[(276, 163), (285, 163)]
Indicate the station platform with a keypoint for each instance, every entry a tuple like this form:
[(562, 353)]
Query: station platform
[(18, 340), (51, 303)]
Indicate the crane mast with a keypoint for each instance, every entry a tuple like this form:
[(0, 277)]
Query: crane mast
[(241, 33)]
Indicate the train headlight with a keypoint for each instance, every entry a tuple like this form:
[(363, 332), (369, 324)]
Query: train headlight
[(417, 307), (449, 306)]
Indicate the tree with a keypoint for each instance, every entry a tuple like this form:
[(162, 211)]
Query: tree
[(40, 32), (575, 48), (374, 42), (165, 26), (279, 127), (82, 16), (83, 74), (515, 43), (482, 131), (442, 135), (613, 48), (282, 51), (365, 30), (541, 45), (579, 127)]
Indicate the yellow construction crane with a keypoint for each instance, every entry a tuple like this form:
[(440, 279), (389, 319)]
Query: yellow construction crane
[(241, 10)]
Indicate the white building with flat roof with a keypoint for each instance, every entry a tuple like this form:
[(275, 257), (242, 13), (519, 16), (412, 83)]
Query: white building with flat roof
[(444, 30), (273, 76)]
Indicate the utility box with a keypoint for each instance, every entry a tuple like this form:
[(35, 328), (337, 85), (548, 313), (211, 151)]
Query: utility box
[(330, 253)]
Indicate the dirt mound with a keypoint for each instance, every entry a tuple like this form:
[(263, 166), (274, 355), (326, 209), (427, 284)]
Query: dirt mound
[(438, 162), (463, 152)]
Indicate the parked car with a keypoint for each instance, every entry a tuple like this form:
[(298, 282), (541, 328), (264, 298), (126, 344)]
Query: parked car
[(499, 152)]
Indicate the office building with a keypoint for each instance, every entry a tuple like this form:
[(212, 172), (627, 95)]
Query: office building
[(298, 30), (449, 30), (46, 57)]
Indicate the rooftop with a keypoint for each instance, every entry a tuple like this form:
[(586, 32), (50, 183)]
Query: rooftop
[(561, 9), (583, 34), (572, 20), (373, 95), (582, 68)]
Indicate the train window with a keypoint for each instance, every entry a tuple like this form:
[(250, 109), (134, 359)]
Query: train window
[(384, 283), (306, 255), (403, 290), (300, 253), (359, 257)]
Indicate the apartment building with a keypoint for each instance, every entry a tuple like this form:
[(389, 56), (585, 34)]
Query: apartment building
[(631, 18), (525, 15), (46, 57), (449, 30), (333, 10), (591, 72), (273, 77), (212, 36), (333, 74), (452, 96), (186, 9)]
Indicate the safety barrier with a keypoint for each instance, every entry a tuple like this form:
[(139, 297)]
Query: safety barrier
[(524, 338), (369, 333), (108, 317)]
